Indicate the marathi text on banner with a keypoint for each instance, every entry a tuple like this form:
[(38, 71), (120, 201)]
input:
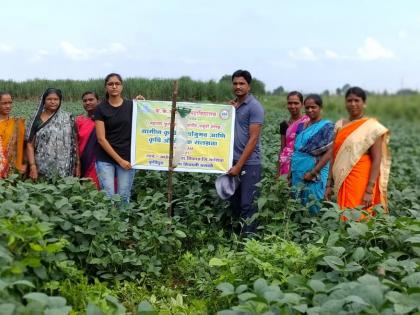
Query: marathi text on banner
[(205, 136)]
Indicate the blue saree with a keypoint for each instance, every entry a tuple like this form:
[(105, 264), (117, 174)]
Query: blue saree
[(310, 144)]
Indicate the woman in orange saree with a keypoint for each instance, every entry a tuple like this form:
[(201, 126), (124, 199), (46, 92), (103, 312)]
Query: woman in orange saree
[(361, 161), (12, 133)]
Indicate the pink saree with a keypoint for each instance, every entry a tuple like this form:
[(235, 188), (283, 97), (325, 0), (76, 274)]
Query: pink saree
[(286, 154)]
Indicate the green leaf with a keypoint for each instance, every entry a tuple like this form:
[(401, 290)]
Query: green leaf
[(261, 202), (333, 238), (331, 307), (413, 239), (180, 234), (358, 254), (291, 299), (246, 296), (58, 311), (56, 301), (336, 251), (145, 308), (403, 309), (416, 250), (61, 203), (3, 285), (23, 282), (357, 229), (313, 310), (333, 262), (372, 294), (7, 309), (260, 285), (369, 279), (353, 266), (317, 285), (301, 308), (55, 247), (41, 272), (273, 294), (226, 288), (240, 289), (92, 309), (37, 297), (116, 304), (413, 280), (217, 262), (355, 299), (36, 247)]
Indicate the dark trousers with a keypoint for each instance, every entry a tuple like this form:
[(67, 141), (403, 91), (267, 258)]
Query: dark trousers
[(242, 202)]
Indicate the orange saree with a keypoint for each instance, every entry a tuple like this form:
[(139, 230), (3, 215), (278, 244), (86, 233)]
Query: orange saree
[(352, 163), (12, 131)]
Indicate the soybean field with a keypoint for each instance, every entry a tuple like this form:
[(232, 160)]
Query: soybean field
[(65, 249)]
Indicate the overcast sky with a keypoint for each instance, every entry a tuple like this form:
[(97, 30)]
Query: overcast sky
[(299, 44)]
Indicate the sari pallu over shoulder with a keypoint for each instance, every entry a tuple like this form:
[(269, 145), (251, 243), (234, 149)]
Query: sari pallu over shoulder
[(55, 145), (54, 140), (12, 133), (352, 142), (87, 141), (286, 154), (310, 144)]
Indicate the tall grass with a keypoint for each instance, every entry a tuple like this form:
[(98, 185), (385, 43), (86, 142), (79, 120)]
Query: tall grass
[(154, 89), (406, 107)]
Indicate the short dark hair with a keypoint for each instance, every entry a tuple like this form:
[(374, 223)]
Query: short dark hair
[(242, 73), (296, 93), (4, 93), (90, 92), (356, 91), (316, 97)]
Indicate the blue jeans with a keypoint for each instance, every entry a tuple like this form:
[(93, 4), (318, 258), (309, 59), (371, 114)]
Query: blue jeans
[(113, 179), (242, 202)]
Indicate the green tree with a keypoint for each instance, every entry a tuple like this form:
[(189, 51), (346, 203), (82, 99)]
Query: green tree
[(279, 91)]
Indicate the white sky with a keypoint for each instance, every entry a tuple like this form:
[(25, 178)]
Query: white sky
[(299, 44)]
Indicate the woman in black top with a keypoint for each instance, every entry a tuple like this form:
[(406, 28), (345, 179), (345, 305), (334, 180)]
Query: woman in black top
[(113, 119)]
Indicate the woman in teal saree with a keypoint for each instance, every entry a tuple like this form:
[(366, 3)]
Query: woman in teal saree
[(311, 155)]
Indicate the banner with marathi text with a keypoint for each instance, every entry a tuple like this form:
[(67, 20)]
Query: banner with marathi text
[(206, 142)]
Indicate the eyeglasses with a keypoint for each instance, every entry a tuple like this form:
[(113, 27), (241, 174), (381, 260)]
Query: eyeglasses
[(117, 84)]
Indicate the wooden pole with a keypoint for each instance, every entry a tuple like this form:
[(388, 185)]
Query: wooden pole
[(171, 148)]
